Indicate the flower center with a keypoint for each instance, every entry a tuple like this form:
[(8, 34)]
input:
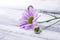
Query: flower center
[(30, 20)]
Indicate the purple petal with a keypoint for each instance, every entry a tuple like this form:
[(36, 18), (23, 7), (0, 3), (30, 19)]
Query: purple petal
[(28, 26), (35, 24), (23, 22), (26, 15), (32, 12), (35, 19)]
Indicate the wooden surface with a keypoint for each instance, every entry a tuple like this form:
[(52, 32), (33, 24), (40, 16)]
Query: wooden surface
[(10, 30)]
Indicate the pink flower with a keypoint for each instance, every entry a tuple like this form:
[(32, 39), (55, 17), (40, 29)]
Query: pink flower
[(29, 18)]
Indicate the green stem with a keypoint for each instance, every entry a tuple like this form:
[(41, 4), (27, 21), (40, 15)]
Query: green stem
[(51, 25), (50, 20), (50, 15)]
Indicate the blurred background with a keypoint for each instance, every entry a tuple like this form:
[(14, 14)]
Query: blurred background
[(52, 5)]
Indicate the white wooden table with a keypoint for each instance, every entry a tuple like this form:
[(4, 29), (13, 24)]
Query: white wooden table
[(9, 29)]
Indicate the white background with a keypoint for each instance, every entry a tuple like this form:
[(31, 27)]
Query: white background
[(38, 4)]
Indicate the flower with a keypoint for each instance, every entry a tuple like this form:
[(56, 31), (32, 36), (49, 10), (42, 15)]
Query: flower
[(29, 18), (37, 30)]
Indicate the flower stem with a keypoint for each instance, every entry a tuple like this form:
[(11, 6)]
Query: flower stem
[(50, 20), (50, 15), (51, 25)]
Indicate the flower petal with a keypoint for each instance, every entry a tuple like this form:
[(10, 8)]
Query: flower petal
[(23, 22), (28, 26), (26, 15), (35, 19)]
